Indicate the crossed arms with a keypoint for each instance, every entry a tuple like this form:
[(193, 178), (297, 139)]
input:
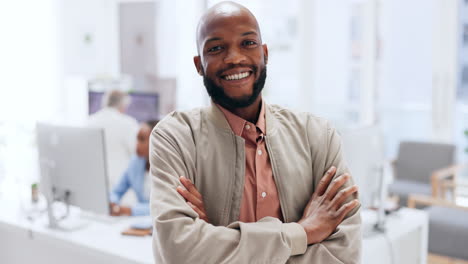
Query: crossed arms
[(324, 212), (183, 233)]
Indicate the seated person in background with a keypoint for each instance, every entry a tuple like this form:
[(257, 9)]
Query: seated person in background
[(120, 132), (136, 177)]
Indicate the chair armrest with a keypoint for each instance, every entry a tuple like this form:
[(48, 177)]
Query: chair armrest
[(450, 184), (444, 174), (417, 199)]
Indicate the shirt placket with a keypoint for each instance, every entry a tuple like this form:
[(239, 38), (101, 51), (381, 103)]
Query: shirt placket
[(248, 133), (262, 195)]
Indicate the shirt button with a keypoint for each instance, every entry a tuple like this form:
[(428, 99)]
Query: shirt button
[(260, 152), (247, 126), (263, 194)]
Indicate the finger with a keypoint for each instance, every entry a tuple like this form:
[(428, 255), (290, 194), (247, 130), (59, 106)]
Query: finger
[(201, 213), (342, 196), (325, 181), (189, 196), (335, 185), (190, 187), (347, 207)]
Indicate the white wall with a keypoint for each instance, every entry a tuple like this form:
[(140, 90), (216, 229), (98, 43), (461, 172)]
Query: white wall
[(166, 42), (190, 91), (29, 61), (98, 20), (405, 84), (331, 52), (29, 83), (406, 73)]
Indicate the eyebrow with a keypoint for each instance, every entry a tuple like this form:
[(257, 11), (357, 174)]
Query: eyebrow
[(212, 39), (249, 33), (218, 38)]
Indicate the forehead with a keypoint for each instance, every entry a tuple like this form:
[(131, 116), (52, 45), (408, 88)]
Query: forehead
[(226, 25)]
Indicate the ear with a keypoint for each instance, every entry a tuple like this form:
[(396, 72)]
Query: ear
[(265, 53), (197, 62)]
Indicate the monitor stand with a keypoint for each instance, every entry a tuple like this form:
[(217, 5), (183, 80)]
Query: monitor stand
[(70, 224), (379, 226), (70, 220), (66, 217)]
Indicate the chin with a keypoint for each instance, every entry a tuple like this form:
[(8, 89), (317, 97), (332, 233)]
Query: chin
[(240, 98)]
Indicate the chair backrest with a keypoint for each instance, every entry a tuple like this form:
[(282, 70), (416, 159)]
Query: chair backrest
[(417, 161)]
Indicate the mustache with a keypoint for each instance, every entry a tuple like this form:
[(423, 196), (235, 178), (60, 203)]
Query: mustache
[(254, 68)]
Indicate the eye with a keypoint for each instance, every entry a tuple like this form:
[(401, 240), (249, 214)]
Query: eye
[(249, 43), (214, 49)]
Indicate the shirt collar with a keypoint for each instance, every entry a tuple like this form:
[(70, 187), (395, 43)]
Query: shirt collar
[(237, 123)]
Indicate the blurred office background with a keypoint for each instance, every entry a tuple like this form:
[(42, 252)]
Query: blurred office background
[(398, 65)]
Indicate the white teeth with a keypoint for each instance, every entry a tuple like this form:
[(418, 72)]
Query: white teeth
[(237, 76)]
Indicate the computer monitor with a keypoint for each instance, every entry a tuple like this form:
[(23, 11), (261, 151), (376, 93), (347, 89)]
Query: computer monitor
[(73, 166), (143, 106)]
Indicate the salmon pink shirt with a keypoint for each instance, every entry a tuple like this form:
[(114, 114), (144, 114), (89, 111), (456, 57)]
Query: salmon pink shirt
[(260, 196)]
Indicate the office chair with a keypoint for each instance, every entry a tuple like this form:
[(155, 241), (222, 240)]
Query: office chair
[(416, 166)]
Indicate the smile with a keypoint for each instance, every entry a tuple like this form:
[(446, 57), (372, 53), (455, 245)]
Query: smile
[(237, 76)]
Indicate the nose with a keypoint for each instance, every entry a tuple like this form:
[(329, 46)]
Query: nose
[(234, 56)]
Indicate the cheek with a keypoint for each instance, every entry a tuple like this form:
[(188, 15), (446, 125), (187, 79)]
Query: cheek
[(209, 72), (211, 66)]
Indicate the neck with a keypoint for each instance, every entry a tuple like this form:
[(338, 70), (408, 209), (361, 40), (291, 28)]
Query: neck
[(251, 112)]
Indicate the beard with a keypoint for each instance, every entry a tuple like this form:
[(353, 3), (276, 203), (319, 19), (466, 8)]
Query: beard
[(218, 95)]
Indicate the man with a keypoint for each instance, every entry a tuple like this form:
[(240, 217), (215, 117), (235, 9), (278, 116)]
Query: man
[(261, 184), (120, 131)]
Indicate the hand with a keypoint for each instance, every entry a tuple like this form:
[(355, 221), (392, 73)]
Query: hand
[(117, 210), (193, 197), (327, 208)]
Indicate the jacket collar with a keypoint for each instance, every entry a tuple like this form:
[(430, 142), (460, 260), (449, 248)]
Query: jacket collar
[(270, 120), (218, 118)]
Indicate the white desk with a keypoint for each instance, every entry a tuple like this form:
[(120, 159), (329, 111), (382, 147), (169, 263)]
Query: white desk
[(23, 241), (405, 240)]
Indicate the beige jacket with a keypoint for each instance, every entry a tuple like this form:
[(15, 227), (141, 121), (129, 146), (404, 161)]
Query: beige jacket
[(201, 146)]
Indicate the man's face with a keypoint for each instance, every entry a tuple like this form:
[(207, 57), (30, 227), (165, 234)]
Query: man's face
[(232, 59)]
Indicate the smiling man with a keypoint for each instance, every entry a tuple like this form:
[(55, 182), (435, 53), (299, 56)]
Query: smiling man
[(242, 181)]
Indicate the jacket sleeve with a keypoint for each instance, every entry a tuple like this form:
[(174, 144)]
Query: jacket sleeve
[(344, 244), (181, 237)]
